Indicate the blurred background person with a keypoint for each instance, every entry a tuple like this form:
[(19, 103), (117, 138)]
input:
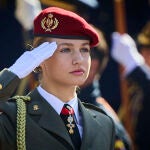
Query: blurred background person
[(137, 72), (11, 35), (90, 92)]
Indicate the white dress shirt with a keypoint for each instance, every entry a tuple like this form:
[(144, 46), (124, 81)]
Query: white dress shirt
[(57, 104)]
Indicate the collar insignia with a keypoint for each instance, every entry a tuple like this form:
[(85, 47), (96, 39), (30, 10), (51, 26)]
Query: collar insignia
[(35, 107)]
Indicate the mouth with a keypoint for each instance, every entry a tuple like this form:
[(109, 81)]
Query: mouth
[(78, 72)]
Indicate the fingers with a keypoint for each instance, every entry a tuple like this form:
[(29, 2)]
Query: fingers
[(29, 60), (116, 36), (52, 47), (127, 39), (123, 41), (44, 51)]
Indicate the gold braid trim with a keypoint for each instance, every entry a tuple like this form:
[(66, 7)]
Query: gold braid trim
[(21, 121)]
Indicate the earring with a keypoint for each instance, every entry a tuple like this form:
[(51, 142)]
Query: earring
[(37, 70)]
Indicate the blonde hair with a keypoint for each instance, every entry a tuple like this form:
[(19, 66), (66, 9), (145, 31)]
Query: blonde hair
[(38, 41)]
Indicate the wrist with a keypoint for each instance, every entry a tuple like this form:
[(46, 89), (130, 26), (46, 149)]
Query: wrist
[(131, 64)]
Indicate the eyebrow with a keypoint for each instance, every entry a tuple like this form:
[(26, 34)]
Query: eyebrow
[(70, 44)]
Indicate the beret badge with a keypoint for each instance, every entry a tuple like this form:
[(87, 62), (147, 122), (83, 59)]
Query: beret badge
[(49, 23)]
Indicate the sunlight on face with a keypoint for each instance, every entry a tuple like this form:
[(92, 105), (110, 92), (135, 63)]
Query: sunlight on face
[(69, 65)]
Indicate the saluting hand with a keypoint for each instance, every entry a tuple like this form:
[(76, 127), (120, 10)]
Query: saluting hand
[(29, 60)]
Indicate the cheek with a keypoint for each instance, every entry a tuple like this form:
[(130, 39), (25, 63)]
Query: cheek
[(146, 56), (88, 60), (57, 65), (89, 65), (94, 67), (48, 66)]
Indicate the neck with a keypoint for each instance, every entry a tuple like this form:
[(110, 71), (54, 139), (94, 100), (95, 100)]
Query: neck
[(63, 93)]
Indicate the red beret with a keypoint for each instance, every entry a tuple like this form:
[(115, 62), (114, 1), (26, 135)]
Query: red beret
[(59, 23)]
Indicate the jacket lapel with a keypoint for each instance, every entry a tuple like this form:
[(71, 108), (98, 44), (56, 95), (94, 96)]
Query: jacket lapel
[(49, 119), (91, 129)]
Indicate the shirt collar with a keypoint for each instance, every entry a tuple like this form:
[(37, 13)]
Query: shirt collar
[(56, 103)]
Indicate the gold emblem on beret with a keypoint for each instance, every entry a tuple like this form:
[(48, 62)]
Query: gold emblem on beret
[(49, 23)]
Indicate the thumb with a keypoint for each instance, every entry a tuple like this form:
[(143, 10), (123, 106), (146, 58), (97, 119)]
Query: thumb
[(115, 36)]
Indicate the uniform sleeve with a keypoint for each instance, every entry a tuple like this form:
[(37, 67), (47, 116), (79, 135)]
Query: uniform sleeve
[(7, 126), (8, 84), (140, 78)]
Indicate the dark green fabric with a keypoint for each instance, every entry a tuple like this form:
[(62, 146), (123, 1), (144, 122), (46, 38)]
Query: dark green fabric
[(45, 129)]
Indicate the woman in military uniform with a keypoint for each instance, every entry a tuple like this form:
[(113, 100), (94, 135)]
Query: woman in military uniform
[(51, 116)]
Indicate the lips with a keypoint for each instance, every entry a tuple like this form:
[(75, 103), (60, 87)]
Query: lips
[(77, 72)]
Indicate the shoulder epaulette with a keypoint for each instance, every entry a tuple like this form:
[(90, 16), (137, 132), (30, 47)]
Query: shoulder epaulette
[(96, 108)]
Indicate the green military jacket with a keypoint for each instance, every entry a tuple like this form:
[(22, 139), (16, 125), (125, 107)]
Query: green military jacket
[(44, 129)]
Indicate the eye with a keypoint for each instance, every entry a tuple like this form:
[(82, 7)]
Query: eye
[(65, 50), (85, 50)]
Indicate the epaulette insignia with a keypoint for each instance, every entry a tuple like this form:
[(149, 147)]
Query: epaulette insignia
[(119, 145), (91, 106), (35, 107)]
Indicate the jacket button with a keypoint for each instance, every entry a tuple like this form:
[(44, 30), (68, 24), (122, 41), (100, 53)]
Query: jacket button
[(1, 86)]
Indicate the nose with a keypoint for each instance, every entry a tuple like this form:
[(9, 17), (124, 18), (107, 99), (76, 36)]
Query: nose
[(77, 58)]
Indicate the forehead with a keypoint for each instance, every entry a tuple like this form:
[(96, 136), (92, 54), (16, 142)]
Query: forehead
[(69, 41)]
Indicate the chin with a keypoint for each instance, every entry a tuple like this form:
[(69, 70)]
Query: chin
[(80, 83)]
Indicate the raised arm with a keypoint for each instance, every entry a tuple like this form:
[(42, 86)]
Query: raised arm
[(25, 64)]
